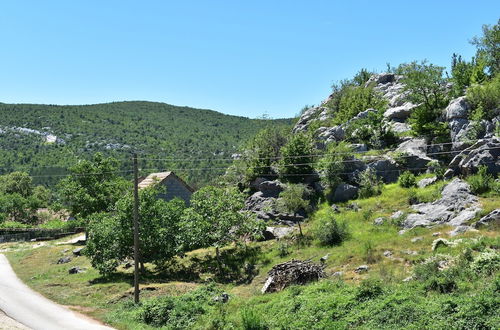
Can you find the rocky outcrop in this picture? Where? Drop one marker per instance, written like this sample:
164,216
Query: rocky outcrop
271,188
400,113
330,134
345,192
484,152
491,219
455,207
426,182
415,154
277,232
387,169
458,109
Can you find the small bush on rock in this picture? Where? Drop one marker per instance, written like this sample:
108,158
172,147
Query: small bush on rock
481,182
369,184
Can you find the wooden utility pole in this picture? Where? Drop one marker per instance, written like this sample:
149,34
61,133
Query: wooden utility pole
136,232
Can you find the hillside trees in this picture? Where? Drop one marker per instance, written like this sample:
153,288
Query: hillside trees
297,158
488,45
110,234
215,219
94,186
19,200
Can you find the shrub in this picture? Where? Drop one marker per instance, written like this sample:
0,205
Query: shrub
486,262
283,249
407,180
369,253
297,158
435,167
369,184
485,98
333,164
373,130
369,289
252,321
481,182
331,232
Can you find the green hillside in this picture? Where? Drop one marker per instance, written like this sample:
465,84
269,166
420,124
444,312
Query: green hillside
154,130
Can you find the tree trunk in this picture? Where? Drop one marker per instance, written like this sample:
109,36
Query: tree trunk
219,263
300,227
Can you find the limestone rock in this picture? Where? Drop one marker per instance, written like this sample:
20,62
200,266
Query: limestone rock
277,232
401,112
271,188
458,108
492,218
426,182
483,152
387,169
415,154
362,269
345,192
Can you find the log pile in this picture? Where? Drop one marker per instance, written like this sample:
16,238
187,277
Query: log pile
292,272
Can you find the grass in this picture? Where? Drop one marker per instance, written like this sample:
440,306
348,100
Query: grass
328,301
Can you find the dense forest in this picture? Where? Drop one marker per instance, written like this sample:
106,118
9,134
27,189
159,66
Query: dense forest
45,140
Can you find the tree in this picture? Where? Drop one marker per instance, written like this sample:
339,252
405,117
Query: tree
16,182
215,218
111,240
332,165
425,84
93,186
488,45
297,158
293,199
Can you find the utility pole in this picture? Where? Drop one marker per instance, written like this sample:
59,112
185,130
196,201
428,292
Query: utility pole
136,231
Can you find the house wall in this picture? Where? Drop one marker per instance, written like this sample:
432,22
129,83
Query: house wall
175,189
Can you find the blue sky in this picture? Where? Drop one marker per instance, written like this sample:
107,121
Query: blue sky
238,57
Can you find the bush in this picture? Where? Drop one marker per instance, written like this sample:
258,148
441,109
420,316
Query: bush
369,289
485,99
407,180
373,130
369,184
486,262
331,232
369,253
297,158
481,182
252,321
333,164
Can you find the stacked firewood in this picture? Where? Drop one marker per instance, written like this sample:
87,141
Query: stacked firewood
292,272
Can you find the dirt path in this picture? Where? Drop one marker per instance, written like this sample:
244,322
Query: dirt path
33,310
6,323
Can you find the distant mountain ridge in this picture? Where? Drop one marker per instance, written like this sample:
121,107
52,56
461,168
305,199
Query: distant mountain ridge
45,139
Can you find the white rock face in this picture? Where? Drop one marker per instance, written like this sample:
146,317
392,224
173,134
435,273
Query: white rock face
458,108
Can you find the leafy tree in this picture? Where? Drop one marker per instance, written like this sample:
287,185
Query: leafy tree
407,180
489,45
425,84
369,184
373,131
93,186
215,218
485,98
293,199
331,232
334,163
262,152
110,235
297,158
16,183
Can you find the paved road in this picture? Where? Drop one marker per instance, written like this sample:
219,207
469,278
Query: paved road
35,311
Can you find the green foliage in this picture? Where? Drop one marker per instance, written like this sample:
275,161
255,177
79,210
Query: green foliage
489,46
293,199
297,158
329,232
369,289
487,262
110,235
424,122
407,179
251,320
481,182
369,184
464,74
333,164
178,312
261,153
154,130
348,100
215,218
425,84
485,98
436,168
93,186
373,130
19,200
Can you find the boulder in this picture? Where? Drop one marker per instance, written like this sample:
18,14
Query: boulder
387,254
455,207
271,188
483,152
387,169
77,252
277,232
381,79
359,147
414,151
345,192
335,208
263,207
460,230
331,134
458,109
397,215
352,169
398,127
362,269
306,118
456,127
426,182
379,221
75,270
416,239
64,260
401,112
256,182
492,218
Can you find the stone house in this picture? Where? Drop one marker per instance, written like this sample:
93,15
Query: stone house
176,187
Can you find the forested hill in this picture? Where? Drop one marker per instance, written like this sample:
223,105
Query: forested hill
45,139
